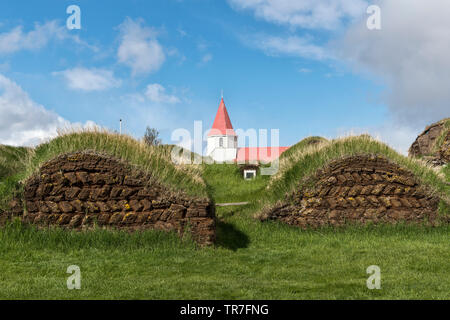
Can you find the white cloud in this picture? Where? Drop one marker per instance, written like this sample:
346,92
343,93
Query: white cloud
16,39
24,122
313,14
410,54
139,49
156,93
89,79
294,46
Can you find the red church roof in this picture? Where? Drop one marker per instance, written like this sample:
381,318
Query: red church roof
222,123
263,154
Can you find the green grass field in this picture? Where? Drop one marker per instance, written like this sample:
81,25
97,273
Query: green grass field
251,260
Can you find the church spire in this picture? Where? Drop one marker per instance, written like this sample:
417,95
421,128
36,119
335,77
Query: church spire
222,123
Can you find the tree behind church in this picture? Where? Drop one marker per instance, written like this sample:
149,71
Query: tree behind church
151,137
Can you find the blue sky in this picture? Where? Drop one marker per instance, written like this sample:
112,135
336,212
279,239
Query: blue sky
303,67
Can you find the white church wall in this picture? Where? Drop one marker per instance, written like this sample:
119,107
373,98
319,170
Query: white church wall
224,154
222,151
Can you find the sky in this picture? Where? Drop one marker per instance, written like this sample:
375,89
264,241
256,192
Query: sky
304,67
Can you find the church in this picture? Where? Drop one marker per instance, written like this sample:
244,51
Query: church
222,145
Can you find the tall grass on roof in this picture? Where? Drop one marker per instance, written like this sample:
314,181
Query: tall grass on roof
301,145
12,160
304,162
155,160
440,139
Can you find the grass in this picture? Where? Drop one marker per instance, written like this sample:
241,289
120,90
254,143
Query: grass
304,162
251,260
301,145
440,139
446,172
156,161
13,162
226,184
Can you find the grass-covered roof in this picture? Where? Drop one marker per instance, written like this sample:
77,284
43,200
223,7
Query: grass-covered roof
20,163
304,162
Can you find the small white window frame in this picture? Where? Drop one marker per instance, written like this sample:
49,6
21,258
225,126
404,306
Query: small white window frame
253,171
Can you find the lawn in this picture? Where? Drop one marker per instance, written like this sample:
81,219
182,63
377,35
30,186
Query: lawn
12,163
251,260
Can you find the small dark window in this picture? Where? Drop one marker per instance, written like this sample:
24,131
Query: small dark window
249,174
220,142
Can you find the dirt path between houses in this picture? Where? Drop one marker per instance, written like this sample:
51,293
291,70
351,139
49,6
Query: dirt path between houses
231,204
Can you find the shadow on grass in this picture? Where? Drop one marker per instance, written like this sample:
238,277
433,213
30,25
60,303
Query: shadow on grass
229,237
